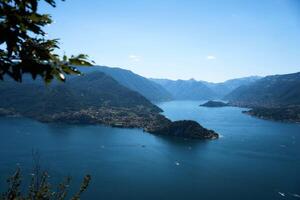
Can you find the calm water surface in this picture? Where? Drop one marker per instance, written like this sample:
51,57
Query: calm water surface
253,159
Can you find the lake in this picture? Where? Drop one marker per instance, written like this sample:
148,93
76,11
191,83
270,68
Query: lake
253,159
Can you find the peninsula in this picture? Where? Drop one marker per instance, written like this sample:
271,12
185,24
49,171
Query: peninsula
214,104
94,98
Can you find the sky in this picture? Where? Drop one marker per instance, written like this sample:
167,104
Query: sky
211,40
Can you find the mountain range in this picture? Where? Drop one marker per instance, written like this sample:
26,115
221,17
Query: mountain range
274,97
186,89
149,89
157,90
202,90
119,97
270,91
224,88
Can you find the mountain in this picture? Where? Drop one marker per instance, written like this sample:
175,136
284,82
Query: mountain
273,97
149,89
271,91
94,98
224,88
285,114
202,90
95,90
186,89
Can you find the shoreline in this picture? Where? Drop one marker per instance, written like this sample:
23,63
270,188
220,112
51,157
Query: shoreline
150,122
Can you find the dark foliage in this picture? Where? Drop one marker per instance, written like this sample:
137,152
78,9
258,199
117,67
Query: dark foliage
214,104
24,48
187,129
40,187
286,114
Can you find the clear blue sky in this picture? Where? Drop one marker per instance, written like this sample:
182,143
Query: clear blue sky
211,40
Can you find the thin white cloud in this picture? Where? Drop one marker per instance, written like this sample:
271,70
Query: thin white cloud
211,57
134,58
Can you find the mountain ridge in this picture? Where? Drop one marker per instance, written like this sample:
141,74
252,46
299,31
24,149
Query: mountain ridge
183,90
149,89
275,97
270,91
202,90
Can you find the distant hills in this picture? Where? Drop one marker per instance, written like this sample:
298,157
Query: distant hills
149,89
157,90
202,90
224,88
274,97
186,89
271,91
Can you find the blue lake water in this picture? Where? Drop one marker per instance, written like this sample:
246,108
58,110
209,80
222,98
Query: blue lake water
253,159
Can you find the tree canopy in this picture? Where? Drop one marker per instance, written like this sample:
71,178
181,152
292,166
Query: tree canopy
24,47
39,186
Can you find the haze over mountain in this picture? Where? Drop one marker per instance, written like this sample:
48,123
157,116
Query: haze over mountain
271,91
186,89
224,88
149,89
202,90
157,90
273,97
